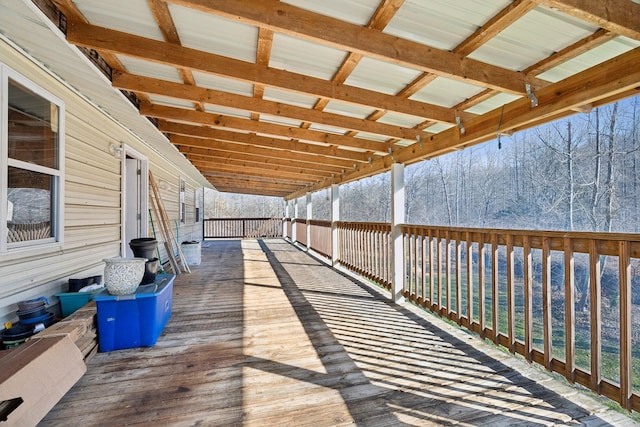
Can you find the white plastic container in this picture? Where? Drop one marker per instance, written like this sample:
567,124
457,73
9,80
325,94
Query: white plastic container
192,253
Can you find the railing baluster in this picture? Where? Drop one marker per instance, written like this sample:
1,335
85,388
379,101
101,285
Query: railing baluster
447,276
546,301
431,270
481,285
569,310
511,306
528,298
596,315
495,280
458,278
626,370
470,291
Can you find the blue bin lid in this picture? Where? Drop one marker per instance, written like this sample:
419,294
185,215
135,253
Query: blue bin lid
143,291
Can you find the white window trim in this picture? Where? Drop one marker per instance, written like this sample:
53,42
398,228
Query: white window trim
182,201
57,226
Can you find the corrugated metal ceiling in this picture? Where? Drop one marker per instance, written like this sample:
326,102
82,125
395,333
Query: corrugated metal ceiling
353,82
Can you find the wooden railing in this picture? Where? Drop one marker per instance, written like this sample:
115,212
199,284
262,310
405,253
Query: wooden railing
365,248
288,228
563,300
242,228
301,231
320,237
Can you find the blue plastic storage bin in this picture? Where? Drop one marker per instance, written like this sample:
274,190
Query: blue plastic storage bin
135,320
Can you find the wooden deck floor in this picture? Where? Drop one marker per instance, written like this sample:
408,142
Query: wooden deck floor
264,335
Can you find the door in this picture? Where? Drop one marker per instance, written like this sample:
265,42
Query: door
135,194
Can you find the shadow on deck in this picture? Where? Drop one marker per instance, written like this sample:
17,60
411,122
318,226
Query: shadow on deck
263,334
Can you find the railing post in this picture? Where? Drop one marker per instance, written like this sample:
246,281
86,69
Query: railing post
284,222
397,218
335,217
294,231
309,204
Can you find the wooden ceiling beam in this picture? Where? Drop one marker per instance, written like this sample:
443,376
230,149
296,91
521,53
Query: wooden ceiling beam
213,144
227,122
143,48
163,18
270,165
617,16
255,180
298,22
250,183
610,80
263,141
250,190
255,171
239,155
150,85
507,16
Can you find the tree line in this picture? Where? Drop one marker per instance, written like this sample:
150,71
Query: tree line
580,173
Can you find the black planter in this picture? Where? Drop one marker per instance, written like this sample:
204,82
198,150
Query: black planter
144,247
150,271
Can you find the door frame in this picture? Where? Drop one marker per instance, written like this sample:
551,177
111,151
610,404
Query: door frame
143,199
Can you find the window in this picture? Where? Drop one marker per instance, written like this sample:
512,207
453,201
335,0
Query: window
197,196
183,202
31,163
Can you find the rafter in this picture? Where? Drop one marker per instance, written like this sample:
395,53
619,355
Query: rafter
163,17
297,22
227,122
617,16
609,80
256,171
178,56
223,155
186,142
264,165
261,141
141,84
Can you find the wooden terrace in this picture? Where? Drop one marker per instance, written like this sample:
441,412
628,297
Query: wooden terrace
264,334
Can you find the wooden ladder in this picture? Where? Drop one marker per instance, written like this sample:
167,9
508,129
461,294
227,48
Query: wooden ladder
165,230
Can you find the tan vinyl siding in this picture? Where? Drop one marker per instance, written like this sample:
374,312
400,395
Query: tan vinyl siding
92,199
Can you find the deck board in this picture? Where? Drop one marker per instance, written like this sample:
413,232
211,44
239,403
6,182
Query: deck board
262,334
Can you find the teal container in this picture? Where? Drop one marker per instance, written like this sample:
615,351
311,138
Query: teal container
72,301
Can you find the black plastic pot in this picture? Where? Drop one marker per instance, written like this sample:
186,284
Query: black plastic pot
12,337
144,247
150,271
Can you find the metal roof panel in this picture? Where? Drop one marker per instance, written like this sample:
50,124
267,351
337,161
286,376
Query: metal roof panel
224,84
446,92
604,52
535,36
355,11
442,24
138,20
381,76
213,34
305,57
289,98
350,110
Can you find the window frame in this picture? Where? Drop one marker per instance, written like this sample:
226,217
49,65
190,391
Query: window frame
182,201
57,175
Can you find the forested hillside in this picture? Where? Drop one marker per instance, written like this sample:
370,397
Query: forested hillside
579,173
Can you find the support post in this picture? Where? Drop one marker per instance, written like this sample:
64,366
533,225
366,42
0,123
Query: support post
309,203
294,231
397,218
286,216
335,217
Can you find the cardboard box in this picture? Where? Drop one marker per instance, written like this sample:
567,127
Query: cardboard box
39,372
134,320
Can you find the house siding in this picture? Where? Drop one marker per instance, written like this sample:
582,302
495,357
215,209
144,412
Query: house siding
92,198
